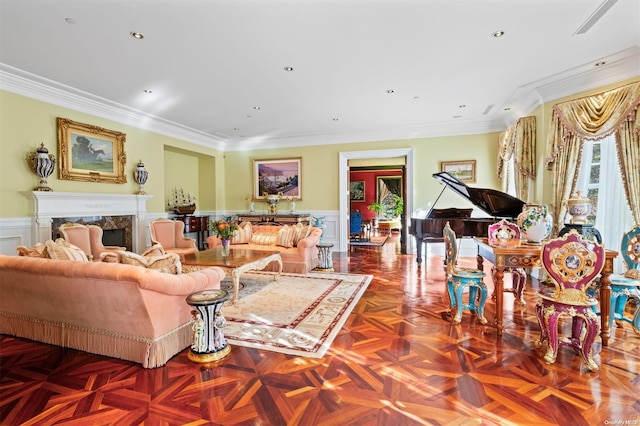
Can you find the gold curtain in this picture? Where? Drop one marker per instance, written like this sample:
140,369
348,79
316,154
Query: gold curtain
518,142
593,118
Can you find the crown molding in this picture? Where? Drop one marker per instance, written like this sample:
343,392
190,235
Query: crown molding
620,66
32,86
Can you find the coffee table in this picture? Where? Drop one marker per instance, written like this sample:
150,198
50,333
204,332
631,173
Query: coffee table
236,263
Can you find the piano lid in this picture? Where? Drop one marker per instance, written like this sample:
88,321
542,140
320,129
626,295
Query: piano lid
494,203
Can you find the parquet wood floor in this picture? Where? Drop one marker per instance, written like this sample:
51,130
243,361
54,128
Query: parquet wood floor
395,362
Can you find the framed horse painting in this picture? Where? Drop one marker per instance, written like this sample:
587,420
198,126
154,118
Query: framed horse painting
90,153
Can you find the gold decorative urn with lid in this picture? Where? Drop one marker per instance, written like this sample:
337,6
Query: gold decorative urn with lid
579,208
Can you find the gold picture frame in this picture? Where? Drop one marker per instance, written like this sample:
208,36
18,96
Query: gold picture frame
465,170
276,176
90,153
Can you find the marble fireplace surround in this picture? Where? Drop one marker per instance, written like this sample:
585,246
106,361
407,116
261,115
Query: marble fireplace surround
125,210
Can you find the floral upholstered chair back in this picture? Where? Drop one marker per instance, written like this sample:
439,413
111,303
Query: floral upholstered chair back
503,230
630,250
572,263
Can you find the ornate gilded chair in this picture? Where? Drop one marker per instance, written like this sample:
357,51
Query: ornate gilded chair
625,287
170,235
461,279
572,264
88,238
505,233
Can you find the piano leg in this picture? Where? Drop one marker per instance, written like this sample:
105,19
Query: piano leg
419,243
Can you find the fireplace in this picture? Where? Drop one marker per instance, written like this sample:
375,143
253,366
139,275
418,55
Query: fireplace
124,214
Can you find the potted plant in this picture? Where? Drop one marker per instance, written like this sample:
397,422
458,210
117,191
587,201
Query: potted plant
398,205
375,207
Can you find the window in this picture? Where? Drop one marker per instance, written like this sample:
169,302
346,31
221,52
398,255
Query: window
600,180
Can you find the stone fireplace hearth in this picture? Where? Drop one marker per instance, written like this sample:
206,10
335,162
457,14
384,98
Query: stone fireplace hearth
110,211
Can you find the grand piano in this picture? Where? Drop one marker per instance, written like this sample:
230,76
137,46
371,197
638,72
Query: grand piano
498,205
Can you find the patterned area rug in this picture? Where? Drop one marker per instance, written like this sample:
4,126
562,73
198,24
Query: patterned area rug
373,242
297,314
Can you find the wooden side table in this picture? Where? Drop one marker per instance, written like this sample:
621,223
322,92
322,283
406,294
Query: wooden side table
209,344
326,262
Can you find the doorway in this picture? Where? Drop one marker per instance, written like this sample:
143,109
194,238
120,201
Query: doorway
407,153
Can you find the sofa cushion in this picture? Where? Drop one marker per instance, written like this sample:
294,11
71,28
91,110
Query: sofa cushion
61,249
153,251
243,234
286,234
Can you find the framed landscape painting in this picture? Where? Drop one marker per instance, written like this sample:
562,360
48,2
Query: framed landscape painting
356,190
463,170
281,176
90,153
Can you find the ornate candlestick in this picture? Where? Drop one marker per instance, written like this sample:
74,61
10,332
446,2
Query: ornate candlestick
140,175
42,163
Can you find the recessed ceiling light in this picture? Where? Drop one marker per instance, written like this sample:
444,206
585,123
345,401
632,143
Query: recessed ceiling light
70,20
462,106
256,108
288,69
457,116
599,64
507,109
497,34
390,91
147,91
416,97
136,35
236,129
336,119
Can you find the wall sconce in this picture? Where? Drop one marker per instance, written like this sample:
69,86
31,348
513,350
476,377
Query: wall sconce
42,163
140,175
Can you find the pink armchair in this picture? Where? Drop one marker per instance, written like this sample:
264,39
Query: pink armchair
170,235
88,238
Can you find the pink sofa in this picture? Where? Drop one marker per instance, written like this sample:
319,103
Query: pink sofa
122,311
299,259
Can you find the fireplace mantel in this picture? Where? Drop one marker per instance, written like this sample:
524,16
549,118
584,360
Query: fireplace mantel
46,206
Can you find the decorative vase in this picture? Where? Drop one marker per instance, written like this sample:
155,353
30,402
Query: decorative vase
226,242
140,175
535,222
42,163
579,208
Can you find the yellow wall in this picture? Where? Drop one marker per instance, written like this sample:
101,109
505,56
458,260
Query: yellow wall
223,181
25,123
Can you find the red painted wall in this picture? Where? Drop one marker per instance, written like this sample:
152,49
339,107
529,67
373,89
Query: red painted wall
370,180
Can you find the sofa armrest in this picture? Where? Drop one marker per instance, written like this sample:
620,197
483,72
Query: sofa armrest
310,241
186,242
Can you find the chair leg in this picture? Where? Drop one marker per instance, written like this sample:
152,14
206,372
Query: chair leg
591,325
458,291
481,302
519,281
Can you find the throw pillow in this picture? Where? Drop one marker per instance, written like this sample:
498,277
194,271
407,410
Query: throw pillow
153,251
168,262
264,239
302,232
243,234
286,235
61,249
36,251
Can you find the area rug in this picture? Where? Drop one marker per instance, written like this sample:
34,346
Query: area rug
296,314
373,242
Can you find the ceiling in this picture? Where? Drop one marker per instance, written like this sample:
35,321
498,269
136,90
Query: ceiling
363,70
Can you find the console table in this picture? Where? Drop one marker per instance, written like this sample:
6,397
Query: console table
198,225
288,218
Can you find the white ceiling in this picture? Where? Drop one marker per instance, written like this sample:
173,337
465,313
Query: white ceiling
209,63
